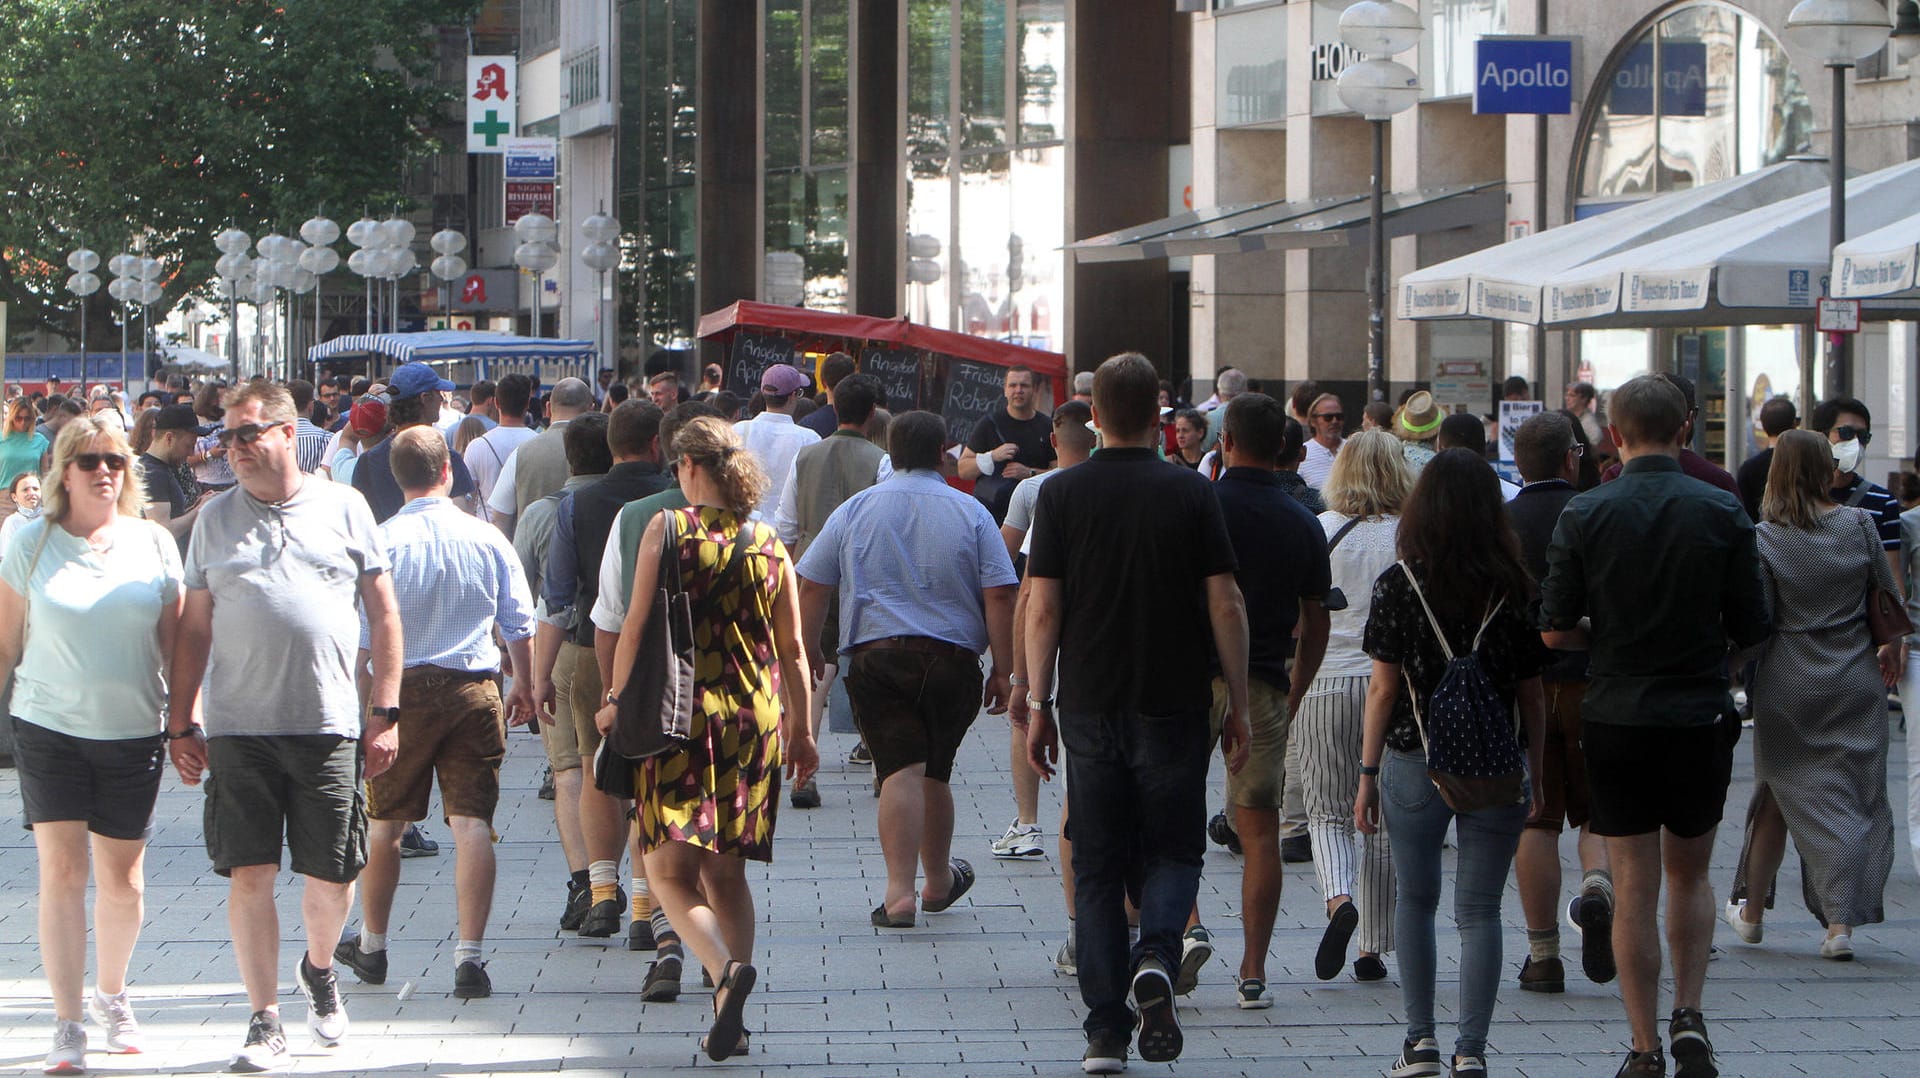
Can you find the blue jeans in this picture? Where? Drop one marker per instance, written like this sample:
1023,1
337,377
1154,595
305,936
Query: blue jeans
1417,819
1137,811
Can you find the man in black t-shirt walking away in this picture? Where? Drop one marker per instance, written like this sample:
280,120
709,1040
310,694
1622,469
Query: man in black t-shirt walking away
1134,693
1009,445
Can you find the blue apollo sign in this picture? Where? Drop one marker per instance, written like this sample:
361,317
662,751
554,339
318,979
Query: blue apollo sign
1529,75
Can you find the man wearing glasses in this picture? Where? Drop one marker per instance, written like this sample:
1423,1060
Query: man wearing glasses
1328,428
276,572
1845,420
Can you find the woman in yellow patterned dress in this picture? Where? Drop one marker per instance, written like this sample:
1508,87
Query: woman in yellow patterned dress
708,808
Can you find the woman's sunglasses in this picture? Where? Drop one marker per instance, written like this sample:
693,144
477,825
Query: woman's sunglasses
89,462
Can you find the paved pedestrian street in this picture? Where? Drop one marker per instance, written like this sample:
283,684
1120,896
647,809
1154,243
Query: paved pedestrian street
971,992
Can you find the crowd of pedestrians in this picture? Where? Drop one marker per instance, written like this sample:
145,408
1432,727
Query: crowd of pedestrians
319,604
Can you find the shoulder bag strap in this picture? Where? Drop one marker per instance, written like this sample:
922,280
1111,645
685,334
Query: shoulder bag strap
1859,494
670,553
1342,534
1487,621
1445,648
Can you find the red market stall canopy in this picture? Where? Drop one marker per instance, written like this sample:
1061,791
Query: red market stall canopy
918,367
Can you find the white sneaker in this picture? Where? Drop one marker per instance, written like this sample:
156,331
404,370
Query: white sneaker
1837,948
266,1047
115,1015
1021,840
1064,962
69,1054
1748,931
326,1011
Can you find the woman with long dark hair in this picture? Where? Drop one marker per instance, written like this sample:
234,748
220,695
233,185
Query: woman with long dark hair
1460,575
1819,706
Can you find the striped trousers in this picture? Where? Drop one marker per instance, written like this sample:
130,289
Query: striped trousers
1326,735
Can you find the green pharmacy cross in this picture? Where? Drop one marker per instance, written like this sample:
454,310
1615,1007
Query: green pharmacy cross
492,128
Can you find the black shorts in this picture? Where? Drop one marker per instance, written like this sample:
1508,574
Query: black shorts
303,786
913,707
1641,779
110,785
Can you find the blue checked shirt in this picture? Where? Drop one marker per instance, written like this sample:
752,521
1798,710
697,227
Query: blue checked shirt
911,557
454,578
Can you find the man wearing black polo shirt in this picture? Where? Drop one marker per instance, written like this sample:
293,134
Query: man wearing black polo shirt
1134,698
1284,577
1009,444
1665,568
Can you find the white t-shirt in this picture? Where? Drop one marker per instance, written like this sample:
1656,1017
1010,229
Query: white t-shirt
92,666
1363,554
1318,465
487,456
774,439
1020,508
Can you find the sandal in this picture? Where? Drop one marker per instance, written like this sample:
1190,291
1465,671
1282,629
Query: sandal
729,1000
882,919
738,1049
962,883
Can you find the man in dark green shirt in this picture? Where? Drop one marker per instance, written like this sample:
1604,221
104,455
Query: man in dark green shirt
1664,570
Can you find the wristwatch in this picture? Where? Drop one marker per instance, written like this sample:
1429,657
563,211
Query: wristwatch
1045,702
183,734
1365,770
612,697
391,714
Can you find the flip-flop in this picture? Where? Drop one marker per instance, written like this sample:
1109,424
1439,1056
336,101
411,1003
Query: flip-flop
962,883
740,1049
729,1000
883,919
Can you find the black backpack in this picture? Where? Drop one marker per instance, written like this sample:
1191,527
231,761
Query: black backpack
1471,736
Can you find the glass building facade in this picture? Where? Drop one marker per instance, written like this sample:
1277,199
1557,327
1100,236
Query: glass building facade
656,172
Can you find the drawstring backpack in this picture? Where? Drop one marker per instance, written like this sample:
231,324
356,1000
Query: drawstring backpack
1471,737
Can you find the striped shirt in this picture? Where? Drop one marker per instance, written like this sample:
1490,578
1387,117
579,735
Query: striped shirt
454,578
309,445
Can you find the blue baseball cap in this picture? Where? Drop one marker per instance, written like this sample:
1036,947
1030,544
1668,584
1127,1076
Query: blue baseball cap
412,379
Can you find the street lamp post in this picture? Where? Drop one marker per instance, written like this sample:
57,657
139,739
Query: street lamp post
536,254
447,265
83,283
602,253
319,259
233,267
1377,88
1838,33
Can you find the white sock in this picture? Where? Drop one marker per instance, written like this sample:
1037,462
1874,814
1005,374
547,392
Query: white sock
603,873
466,951
372,942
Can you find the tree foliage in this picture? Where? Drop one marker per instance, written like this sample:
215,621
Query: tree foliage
168,119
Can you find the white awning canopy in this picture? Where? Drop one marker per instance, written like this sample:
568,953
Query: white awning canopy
1508,281
1767,264
1879,263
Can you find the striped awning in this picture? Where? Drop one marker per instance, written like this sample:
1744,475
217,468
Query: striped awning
450,346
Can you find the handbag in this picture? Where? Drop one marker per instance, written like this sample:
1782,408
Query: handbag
1887,619
654,710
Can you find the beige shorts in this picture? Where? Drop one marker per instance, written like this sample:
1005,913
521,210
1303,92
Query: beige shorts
1260,784
563,748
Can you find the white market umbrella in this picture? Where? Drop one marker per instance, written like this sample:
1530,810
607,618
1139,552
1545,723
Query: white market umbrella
189,358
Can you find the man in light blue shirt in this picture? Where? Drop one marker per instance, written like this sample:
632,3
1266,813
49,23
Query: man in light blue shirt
455,580
925,586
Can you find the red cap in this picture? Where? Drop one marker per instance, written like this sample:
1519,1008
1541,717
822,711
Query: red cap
369,414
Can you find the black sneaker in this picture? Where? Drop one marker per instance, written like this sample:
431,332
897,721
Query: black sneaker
579,897
326,1011
1418,1059
1106,1053
546,785
1297,850
1469,1067
860,755
805,795
369,966
1160,1039
415,843
1221,831
1692,1052
603,918
470,980
1596,935
1547,975
1648,1064
640,935
266,1047
662,983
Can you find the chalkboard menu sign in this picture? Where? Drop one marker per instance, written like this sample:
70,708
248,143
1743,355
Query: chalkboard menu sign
898,373
974,390
752,355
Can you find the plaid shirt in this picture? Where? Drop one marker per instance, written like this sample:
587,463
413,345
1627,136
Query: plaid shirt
310,445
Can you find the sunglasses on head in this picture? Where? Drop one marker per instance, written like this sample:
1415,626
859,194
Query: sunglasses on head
88,462
246,435
1851,433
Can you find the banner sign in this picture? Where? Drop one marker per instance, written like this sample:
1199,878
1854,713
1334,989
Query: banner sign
493,99
1524,75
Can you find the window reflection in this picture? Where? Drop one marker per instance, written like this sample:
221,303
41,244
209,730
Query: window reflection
655,197
828,58
1250,67
1705,94
983,74
1453,28
929,241
1042,59
782,86
929,77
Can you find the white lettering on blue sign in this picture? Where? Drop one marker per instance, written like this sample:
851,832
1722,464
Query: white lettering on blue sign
1523,76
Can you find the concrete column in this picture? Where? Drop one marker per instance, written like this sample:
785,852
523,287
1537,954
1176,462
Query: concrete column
875,237
727,106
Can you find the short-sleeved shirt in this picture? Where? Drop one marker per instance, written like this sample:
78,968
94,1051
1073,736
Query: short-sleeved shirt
162,486
1398,632
487,456
910,557
1132,539
1283,559
1876,500
92,666
1667,569
1318,464
20,453
1020,509
285,581
1033,435
455,578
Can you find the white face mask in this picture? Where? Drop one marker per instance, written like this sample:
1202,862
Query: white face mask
29,514
1846,455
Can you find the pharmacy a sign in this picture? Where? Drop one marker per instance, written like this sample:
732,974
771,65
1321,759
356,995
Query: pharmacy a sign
493,99
1523,75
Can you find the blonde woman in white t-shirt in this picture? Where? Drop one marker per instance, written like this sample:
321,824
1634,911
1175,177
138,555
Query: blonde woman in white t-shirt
1369,482
89,599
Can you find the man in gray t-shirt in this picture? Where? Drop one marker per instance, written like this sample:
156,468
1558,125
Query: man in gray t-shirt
275,573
